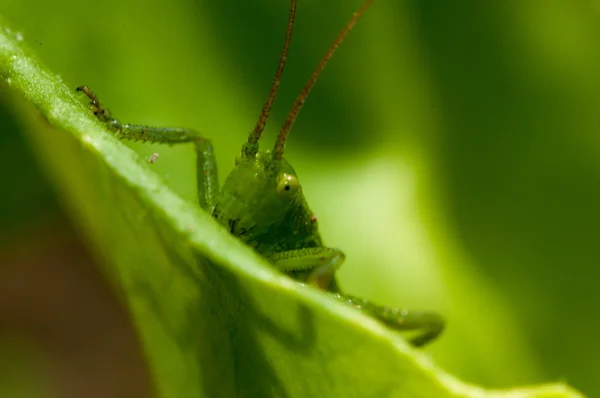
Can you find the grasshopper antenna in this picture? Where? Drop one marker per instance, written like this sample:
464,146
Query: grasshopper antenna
291,117
252,147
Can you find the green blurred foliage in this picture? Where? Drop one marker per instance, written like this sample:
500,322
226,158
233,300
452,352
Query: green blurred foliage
449,149
26,198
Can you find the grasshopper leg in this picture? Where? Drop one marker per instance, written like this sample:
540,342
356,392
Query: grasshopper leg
317,267
207,179
429,324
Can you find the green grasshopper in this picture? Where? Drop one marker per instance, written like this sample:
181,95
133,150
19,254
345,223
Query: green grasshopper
262,202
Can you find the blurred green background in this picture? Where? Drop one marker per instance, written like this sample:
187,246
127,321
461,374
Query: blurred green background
451,150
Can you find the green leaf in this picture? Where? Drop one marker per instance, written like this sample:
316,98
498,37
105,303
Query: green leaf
213,317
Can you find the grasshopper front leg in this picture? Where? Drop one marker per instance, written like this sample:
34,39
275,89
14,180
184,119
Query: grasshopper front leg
207,178
316,266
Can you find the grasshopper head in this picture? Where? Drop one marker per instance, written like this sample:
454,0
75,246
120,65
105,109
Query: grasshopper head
259,195
261,199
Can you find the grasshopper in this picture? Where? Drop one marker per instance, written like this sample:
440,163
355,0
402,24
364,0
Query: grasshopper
262,202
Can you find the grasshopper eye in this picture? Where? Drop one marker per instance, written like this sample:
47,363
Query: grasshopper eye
287,185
